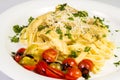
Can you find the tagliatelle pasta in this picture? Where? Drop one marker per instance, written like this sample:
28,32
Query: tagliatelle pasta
70,30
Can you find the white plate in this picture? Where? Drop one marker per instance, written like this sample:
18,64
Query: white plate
19,15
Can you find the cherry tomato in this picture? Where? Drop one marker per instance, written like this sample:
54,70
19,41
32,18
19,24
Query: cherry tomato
29,67
49,55
68,63
86,63
73,74
55,73
19,54
41,67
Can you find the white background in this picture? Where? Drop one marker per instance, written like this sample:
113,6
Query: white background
6,4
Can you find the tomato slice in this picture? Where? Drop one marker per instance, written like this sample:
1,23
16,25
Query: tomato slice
86,63
29,67
49,55
68,63
73,74
19,54
41,68
55,73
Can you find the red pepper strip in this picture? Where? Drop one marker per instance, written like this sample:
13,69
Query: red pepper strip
29,67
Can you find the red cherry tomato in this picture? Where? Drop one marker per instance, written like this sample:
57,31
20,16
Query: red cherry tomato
68,63
21,50
49,55
73,74
29,67
55,73
19,54
41,67
86,63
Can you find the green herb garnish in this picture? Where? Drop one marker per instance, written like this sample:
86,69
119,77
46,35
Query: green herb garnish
59,31
80,14
117,30
17,28
104,35
100,22
48,31
115,55
41,27
62,7
109,31
14,39
117,63
30,19
73,54
68,27
71,18
87,49
68,34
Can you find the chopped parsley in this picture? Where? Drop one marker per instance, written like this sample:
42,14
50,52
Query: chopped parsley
68,27
48,31
87,49
17,28
83,20
71,18
73,54
117,30
117,63
41,27
62,7
104,35
109,31
99,19
14,39
68,34
59,31
115,55
80,14
100,22
30,19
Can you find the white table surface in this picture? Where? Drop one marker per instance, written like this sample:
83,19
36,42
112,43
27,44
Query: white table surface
6,4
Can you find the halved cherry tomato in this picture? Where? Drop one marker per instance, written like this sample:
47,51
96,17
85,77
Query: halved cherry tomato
49,55
55,73
86,63
41,67
73,74
68,63
19,54
29,67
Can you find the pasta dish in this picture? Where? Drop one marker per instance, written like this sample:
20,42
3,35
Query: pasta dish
66,33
